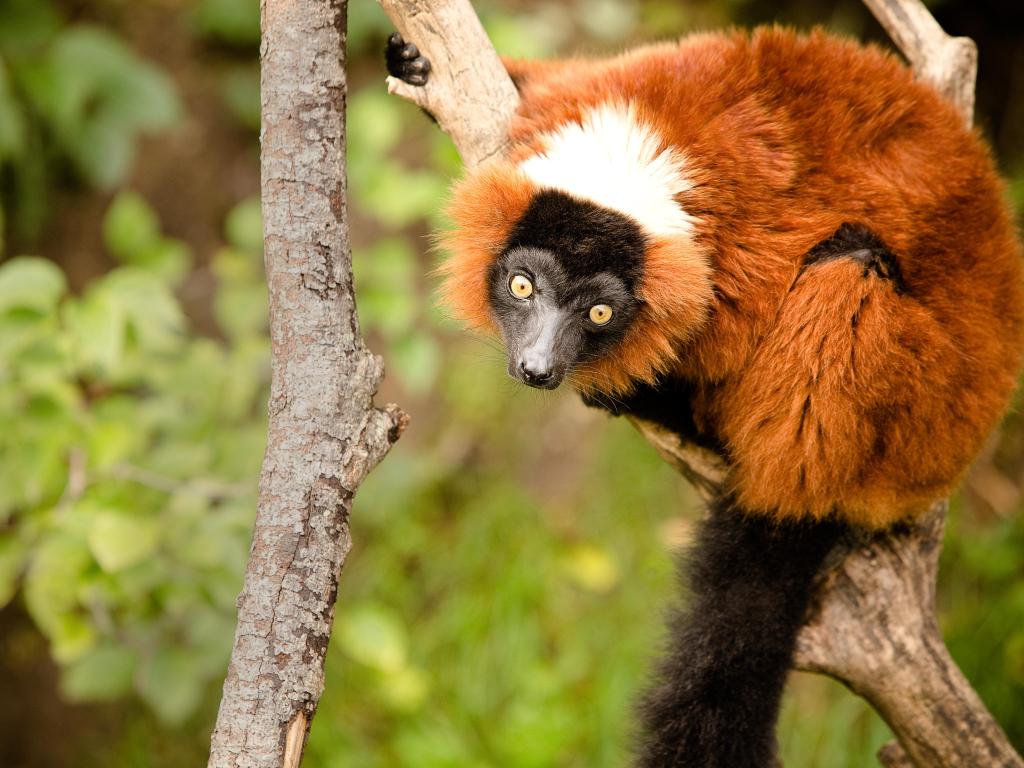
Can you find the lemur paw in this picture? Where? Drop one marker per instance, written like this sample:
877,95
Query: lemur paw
404,61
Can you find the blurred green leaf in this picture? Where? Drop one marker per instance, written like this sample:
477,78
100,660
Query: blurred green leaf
168,683
241,301
130,226
533,36
240,88
374,122
417,360
373,635
102,674
119,538
397,196
113,440
26,24
244,230
368,26
71,637
100,66
236,22
152,312
102,149
131,232
56,570
13,140
96,327
30,283
406,689
608,20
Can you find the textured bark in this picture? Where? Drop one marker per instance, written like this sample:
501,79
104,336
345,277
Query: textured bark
873,626
325,435
875,629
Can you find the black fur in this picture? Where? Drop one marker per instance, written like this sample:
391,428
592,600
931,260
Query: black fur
855,241
731,649
584,237
666,403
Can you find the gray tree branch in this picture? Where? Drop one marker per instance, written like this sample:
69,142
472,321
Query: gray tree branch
325,434
449,29
873,626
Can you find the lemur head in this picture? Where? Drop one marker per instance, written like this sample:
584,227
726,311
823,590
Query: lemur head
576,249
564,289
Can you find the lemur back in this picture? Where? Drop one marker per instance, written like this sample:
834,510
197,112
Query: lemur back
858,385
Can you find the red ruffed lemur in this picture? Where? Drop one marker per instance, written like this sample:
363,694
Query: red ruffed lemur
779,245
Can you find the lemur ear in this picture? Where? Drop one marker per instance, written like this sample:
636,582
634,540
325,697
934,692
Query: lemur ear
484,206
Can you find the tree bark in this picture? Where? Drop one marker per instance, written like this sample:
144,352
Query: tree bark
325,434
873,625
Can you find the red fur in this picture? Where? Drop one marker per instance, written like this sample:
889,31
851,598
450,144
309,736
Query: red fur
787,137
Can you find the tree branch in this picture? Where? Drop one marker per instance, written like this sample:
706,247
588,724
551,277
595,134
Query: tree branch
873,626
466,71
325,435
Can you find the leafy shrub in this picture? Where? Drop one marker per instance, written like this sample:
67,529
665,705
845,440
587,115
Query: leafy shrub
70,95
128,455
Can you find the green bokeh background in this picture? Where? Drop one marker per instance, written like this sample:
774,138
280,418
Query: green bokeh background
512,556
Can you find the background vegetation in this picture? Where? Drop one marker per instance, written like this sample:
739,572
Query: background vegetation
512,555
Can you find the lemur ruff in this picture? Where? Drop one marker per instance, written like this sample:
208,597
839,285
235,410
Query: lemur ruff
782,246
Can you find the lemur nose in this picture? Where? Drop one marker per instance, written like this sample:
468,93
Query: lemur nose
535,375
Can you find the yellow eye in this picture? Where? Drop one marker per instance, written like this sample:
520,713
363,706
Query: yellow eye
520,287
600,314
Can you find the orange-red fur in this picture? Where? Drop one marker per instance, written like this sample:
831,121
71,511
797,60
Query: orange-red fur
830,391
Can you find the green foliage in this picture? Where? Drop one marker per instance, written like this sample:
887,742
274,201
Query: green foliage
233,22
131,232
983,616
95,96
128,455
70,95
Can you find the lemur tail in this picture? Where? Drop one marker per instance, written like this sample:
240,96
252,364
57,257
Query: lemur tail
729,652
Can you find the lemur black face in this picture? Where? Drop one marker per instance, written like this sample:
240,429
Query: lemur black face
563,291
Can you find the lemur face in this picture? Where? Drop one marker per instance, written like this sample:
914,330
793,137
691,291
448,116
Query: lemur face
552,321
562,291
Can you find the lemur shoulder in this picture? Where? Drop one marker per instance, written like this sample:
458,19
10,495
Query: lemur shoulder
784,244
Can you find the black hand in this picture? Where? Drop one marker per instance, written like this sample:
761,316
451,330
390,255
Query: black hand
404,61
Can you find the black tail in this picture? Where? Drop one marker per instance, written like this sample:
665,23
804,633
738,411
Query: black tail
730,651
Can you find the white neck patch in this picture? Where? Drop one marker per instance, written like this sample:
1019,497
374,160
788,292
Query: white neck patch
612,159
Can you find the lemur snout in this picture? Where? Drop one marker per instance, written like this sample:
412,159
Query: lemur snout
537,373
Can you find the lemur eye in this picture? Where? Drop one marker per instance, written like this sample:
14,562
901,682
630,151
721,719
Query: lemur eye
520,287
600,314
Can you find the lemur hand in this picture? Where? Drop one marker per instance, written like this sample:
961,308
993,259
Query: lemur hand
404,61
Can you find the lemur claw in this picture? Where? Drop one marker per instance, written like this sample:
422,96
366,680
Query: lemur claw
405,62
